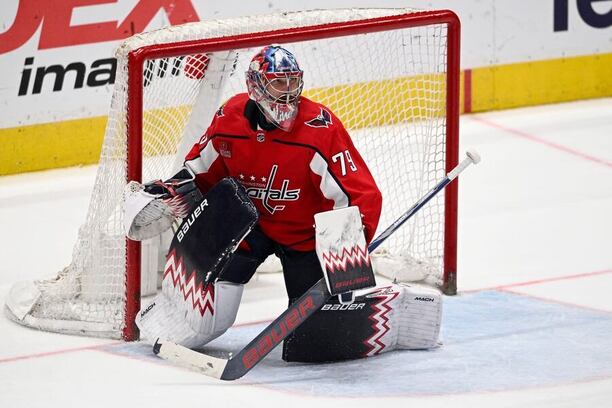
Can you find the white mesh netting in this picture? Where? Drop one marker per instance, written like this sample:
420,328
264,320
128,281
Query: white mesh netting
387,87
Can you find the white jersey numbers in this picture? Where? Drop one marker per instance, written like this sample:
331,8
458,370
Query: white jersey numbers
341,157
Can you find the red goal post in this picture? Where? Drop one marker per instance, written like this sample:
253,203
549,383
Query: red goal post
427,103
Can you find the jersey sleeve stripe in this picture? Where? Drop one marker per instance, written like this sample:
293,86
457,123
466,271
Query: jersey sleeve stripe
202,163
329,186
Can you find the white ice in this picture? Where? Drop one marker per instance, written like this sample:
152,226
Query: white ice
532,326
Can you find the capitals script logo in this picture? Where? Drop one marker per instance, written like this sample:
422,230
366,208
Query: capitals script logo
269,194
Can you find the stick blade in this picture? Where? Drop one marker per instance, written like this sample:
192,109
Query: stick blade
184,357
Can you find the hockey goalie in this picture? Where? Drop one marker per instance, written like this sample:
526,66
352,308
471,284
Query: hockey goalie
271,166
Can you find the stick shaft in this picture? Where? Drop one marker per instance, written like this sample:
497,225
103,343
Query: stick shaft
419,204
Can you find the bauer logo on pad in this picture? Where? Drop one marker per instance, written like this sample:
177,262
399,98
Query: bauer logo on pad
342,250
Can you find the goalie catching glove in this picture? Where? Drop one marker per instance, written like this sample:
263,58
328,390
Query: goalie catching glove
150,209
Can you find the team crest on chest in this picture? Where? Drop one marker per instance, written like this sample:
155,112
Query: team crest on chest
266,192
323,120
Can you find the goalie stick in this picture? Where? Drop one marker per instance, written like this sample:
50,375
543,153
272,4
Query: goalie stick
238,365
472,157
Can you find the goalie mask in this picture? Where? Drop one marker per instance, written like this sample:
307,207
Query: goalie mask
274,81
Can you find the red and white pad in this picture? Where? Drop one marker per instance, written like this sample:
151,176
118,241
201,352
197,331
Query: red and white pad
188,313
392,317
415,317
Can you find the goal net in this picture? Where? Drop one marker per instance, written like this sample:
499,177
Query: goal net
390,75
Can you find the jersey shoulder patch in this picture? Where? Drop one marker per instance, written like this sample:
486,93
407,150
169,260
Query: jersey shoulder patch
322,120
220,112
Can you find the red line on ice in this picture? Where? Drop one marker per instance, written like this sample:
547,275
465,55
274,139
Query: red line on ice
545,280
99,347
543,141
55,352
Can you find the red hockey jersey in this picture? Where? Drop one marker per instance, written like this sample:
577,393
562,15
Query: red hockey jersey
289,176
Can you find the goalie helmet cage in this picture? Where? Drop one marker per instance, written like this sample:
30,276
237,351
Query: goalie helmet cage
390,75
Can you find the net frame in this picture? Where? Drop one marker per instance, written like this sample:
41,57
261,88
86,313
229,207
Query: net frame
127,117
136,61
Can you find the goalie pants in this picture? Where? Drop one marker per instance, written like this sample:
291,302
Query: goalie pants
301,269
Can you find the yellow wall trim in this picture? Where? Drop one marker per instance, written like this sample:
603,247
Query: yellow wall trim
75,142
51,145
541,82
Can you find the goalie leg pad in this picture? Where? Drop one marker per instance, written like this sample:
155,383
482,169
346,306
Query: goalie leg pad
381,320
420,318
193,320
191,309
